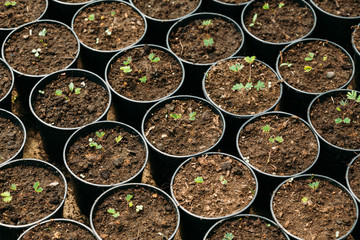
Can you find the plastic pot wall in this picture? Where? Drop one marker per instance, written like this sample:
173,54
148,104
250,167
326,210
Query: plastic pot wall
356,82
5,102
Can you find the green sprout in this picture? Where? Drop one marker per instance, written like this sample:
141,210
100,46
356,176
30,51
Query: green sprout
228,236
153,58
71,88
343,103
278,139
252,190
6,196
41,92
58,92
199,180
260,85
238,86
192,116
43,32
307,68
94,144
314,185
126,69
236,67
208,42
353,96
253,20
36,52
175,116
281,4
13,187
113,13
118,138
248,86
324,58
223,180
143,79
266,6
345,120
10,3
99,134
113,212
37,187
139,208
206,22
286,64
250,60
127,61
304,199
128,198
91,17
310,57
266,128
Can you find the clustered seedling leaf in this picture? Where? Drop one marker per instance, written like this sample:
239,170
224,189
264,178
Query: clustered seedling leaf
343,103
223,180
10,3
238,86
153,58
95,144
143,79
13,187
259,86
113,212
304,199
250,59
43,32
345,120
37,187
199,180
6,196
76,90
325,58
353,96
253,20
206,22
208,42
307,68
266,6
281,4
126,69
91,17
228,236
175,116
236,67
118,138
314,185
192,116
100,134
278,139
139,208
266,128
286,64
128,200
113,12
36,52
41,92
58,92
127,61
310,56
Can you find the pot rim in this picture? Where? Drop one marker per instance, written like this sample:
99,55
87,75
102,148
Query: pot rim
231,4
279,113
356,50
356,158
213,218
73,4
6,65
317,176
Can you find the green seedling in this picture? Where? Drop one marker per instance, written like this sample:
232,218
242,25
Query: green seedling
113,212
192,116
139,208
278,139
345,120
76,90
266,128
281,4
223,180
175,116
286,64
13,187
307,68
37,187
91,17
95,144
353,96
310,56
268,225
43,32
199,180
208,42
206,22
304,200
314,185
259,86
228,236
58,92
113,13
126,69
252,190
118,138
127,61
10,3
153,58
6,196
266,6
36,52
41,92
343,103
248,86
325,58
143,79
236,67
253,20
238,86
128,198
99,134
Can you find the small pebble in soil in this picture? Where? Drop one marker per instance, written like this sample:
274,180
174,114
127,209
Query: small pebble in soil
330,75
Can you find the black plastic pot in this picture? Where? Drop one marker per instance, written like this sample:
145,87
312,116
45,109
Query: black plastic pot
162,164
158,28
12,232
40,227
239,218
25,82
295,100
54,145
17,122
123,105
356,231
86,192
156,190
195,71
265,50
95,60
356,81
268,182
234,121
343,188
333,160
193,226
232,10
5,102
327,22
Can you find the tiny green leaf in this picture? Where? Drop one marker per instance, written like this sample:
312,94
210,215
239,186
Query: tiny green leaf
192,116
286,64
41,91
10,3
128,197
91,17
266,6
175,116
199,180
208,42
77,90
94,144
248,86
71,87
347,120
343,103
223,180
58,92
304,199
100,134
307,68
206,22
281,5
113,13
153,58
314,185
271,139
253,20
324,58
352,95
43,32
113,212
118,138
228,236
260,85
13,187
238,86
139,208
127,61
143,79
236,67
6,196
266,128
250,59
338,120
279,139
126,69
37,187
310,56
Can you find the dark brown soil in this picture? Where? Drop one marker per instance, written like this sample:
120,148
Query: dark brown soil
5,80
70,110
310,213
228,186
183,136
323,114
23,12
331,68
11,137
343,8
162,77
356,37
188,42
166,10
247,227
115,25
220,81
354,177
157,220
58,49
295,154
59,230
113,162
279,25
27,205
